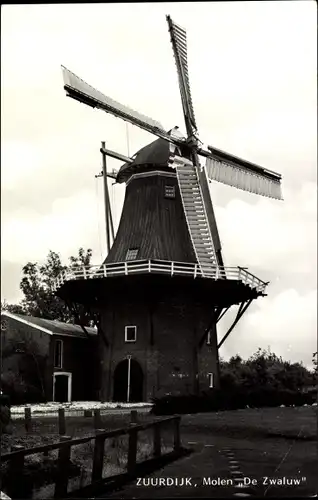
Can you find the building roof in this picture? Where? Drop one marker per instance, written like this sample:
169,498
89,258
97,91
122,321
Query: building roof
51,327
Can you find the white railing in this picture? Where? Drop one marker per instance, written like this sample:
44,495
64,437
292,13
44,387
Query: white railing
160,267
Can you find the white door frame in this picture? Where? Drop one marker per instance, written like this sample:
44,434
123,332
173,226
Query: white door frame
69,384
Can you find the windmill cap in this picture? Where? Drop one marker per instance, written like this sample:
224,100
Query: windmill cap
155,155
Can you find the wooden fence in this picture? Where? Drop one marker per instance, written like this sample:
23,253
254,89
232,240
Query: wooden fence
18,453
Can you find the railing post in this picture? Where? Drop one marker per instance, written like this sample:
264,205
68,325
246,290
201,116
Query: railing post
63,466
195,270
149,266
126,268
84,272
97,419
132,450
16,480
27,419
239,273
133,417
98,459
62,423
157,440
172,268
105,270
176,434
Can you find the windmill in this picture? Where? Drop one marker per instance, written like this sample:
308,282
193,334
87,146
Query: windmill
171,249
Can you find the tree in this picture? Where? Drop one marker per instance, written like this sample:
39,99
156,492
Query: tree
264,370
315,363
37,287
12,308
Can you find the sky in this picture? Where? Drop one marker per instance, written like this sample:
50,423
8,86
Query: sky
253,74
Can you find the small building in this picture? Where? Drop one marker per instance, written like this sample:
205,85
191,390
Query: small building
56,358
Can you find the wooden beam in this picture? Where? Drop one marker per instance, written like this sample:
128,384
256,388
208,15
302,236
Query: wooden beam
115,155
240,313
106,199
214,319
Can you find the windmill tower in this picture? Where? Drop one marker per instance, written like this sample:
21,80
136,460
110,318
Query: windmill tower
163,286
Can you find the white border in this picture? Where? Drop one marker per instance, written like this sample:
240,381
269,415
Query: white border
130,326
55,343
150,174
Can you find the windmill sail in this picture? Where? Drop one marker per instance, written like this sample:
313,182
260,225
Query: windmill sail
81,91
228,169
179,43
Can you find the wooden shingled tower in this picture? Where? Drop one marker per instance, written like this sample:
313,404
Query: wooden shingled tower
163,286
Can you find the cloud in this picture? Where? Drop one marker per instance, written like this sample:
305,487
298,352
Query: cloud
272,235
287,323
69,225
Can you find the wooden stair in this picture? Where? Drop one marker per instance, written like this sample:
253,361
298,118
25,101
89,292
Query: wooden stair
196,217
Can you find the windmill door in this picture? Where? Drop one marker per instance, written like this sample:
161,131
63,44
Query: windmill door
128,382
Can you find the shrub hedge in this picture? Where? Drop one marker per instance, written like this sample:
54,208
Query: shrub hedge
216,400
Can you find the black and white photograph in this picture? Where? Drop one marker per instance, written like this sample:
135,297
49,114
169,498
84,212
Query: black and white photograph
159,250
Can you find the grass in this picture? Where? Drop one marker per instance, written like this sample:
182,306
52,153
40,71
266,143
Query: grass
286,422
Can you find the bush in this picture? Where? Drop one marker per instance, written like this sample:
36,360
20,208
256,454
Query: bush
229,400
18,391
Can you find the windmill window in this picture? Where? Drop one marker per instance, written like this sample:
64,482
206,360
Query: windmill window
170,191
132,254
130,333
58,354
210,378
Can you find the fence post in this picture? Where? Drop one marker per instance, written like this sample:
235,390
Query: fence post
61,482
157,440
15,473
97,420
132,450
98,459
176,434
133,417
62,424
27,419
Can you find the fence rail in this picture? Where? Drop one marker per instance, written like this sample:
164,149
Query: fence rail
160,267
17,456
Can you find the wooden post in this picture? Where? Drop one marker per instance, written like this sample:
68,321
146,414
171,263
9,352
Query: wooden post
15,473
176,434
62,423
106,200
132,450
97,420
133,417
157,440
27,419
98,460
62,469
